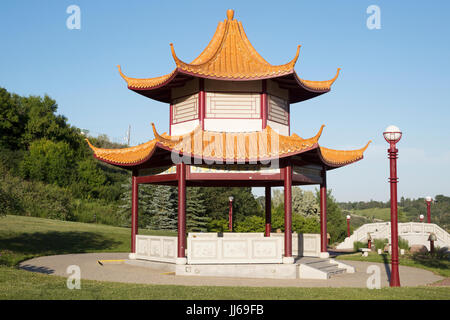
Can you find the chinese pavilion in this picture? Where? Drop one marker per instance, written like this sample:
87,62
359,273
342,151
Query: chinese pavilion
230,126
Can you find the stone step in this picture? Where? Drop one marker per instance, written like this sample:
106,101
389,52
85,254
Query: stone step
324,267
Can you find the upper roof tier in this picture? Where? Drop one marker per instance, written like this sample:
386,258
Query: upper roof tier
230,56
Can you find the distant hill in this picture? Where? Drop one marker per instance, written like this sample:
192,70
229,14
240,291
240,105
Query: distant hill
408,210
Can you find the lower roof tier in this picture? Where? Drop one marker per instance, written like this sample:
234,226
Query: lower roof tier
210,147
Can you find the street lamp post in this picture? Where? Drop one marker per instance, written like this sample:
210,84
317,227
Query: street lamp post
392,135
428,201
421,217
348,225
432,238
230,214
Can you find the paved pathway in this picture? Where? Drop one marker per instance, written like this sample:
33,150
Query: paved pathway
121,272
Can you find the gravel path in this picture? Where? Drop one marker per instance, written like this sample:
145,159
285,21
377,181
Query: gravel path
121,272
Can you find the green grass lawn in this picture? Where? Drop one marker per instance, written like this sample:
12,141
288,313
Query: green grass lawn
23,238
26,237
438,266
379,213
20,284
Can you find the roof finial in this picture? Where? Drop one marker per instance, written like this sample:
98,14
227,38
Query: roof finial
230,14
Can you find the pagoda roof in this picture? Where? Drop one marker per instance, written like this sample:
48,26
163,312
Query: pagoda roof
230,56
230,146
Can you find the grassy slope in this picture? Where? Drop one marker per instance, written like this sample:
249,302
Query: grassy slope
440,267
25,237
19,284
22,238
379,213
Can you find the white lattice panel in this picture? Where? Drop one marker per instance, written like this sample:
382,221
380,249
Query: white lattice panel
278,110
185,109
233,105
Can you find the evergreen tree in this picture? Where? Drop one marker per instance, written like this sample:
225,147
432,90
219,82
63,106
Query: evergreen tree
145,213
164,208
196,219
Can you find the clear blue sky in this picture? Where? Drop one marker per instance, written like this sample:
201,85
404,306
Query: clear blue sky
399,74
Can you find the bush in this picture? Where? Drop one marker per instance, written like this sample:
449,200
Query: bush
218,225
380,243
358,245
403,243
250,224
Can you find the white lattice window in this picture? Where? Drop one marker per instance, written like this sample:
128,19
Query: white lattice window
233,105
185,109
278,110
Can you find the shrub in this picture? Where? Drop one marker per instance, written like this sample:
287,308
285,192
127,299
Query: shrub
403,243
380,243
218,225
358,245
250,224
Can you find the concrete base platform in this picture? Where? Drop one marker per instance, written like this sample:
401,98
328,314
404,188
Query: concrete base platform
301,268
267,271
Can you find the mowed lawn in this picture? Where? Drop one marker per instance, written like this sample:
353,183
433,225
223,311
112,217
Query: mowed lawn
22,238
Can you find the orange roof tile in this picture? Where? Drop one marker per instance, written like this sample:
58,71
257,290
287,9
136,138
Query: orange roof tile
229,56
226,146
342,157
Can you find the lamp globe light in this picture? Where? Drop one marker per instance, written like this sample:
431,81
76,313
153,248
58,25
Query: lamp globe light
392,134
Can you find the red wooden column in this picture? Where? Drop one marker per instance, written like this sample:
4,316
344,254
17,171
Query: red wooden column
202,103
181,174
323,215
268,211
134,210
264,104
288,214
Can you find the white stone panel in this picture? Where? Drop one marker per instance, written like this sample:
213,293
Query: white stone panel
156,248
278,127
183,127
233,125
232,250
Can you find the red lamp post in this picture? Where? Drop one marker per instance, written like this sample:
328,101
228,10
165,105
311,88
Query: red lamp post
428,200
393,135
348,225
432,238
230,214
421,217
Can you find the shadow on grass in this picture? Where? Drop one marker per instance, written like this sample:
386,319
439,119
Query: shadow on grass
437,260
55,242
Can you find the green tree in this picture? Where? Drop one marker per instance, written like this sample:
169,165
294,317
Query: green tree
48,161
44,123
196,219
145,213
164,208
217,203
12,120
336,221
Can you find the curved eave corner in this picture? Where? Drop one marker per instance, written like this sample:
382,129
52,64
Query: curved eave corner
339,158
125,157
148,83
317,86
